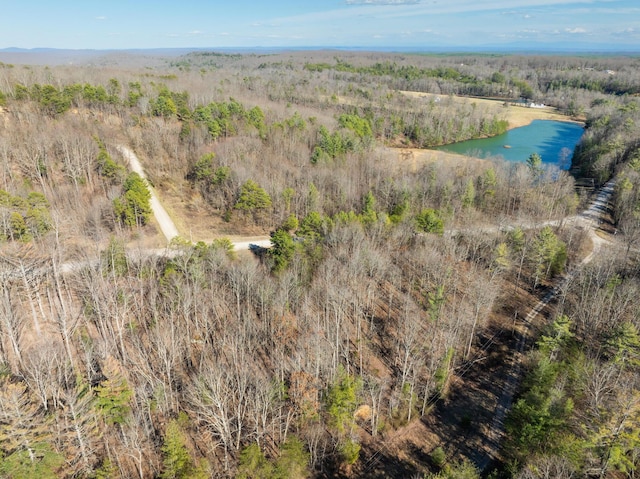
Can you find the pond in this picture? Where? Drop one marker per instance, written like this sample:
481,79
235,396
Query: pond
553,140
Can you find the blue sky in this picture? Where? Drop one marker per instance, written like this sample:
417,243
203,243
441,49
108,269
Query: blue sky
122,24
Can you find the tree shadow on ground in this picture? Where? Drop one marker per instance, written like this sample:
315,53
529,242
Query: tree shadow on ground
383,465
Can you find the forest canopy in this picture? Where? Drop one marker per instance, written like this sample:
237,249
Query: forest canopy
378,333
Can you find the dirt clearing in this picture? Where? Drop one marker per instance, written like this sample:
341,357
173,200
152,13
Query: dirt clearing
517,116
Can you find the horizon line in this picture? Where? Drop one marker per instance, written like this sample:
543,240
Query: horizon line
507,48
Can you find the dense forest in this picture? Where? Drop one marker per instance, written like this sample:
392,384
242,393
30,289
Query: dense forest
378,333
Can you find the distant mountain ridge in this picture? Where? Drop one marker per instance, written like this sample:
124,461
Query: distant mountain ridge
515,47
59,56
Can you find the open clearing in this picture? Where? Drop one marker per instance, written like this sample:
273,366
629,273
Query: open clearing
517,116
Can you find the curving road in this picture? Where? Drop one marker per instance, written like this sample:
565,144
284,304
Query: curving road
588,217
591,219
167,226
16,272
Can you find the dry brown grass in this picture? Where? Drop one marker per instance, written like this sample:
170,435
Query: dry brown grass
195,219
414,159
4,116
516,115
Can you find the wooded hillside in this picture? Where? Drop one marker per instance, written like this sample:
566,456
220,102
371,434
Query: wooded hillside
394,288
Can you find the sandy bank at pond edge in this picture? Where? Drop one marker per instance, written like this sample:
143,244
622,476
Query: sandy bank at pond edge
516,116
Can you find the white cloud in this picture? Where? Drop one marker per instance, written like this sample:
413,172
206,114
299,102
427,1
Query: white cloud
629,34
195,32
101,17
467,21
412,9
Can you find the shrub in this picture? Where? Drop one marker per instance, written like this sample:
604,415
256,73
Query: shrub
429,221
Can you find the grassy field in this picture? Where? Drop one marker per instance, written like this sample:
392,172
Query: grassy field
516,115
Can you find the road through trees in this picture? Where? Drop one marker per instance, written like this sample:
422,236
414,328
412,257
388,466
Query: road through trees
389,295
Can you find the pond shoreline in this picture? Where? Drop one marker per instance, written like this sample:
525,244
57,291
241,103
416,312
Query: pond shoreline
555,141
516,116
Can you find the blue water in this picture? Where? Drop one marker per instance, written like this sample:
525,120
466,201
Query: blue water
553,140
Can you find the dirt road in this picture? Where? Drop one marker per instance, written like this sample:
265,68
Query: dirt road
165,222
591,219
167,226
